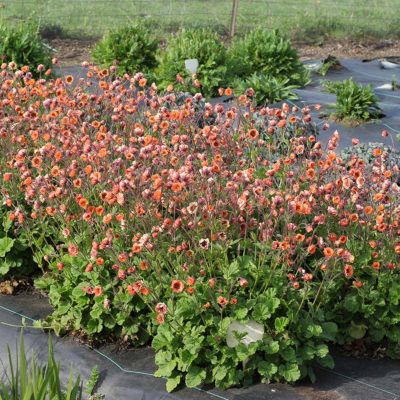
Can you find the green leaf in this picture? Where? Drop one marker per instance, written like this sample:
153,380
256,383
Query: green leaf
241,313
219,372
232,270
290,372
322,350
163,338
281,323
329,330
327,361
195,376
166,364
172,383
271,347
357,331
6,245
4,267
267,369
7,224
313,330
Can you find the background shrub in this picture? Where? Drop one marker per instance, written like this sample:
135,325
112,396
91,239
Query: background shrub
132,47
354,102
268,53
23,45
201,44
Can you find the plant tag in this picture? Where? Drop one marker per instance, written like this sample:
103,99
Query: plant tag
192,65
254,332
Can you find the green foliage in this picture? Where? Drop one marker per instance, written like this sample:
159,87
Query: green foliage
268,53
93,380
354,102
370,312
268,89
23,45
202,45
132,48
192,346
32,381
15,252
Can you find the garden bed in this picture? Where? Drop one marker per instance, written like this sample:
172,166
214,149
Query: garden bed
139,208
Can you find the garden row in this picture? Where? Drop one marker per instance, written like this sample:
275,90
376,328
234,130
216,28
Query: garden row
263,59
227,238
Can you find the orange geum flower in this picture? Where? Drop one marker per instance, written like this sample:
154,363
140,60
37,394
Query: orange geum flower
176,187
69,79
329,252
177,286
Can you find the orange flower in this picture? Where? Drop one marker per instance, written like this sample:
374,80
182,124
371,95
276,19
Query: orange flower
143,265
55,171
69,79
376,265
312,249
329,252
176,187
253,134
222,301
136,248
83,202
228,92
177,286
98,290
37,162
348,271
368,210
377,152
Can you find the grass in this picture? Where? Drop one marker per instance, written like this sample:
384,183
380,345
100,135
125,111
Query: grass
304,20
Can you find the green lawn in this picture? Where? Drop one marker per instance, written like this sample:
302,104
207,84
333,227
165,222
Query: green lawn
301,19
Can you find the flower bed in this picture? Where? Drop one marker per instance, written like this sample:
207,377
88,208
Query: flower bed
229,239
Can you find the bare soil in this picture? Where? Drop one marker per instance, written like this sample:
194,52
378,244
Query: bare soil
74,51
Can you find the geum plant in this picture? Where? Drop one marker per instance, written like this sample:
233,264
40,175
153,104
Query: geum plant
182,225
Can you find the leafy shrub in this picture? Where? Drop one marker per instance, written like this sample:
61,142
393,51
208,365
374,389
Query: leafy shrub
268,53
180,222
133,48
15,253
23,45
268,89
199,44
354,103
33,381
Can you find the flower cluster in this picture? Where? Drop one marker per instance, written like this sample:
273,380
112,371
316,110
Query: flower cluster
167,217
